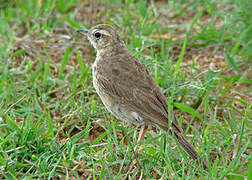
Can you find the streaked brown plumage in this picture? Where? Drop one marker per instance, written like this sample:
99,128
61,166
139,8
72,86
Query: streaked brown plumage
126,87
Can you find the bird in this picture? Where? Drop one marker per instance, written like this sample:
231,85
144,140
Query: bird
126,87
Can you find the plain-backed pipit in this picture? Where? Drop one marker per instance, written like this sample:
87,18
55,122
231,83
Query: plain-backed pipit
126,87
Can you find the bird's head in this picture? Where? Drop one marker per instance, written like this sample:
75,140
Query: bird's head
103,38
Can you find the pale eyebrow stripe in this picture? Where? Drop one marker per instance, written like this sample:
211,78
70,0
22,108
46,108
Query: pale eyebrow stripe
101,31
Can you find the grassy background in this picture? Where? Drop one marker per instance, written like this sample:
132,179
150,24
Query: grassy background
53,125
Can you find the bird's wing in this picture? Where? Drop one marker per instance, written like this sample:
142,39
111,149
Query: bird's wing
128,79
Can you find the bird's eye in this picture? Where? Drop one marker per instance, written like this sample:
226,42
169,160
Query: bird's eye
97,35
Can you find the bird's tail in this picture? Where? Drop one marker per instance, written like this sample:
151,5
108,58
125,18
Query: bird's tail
185,145
177,131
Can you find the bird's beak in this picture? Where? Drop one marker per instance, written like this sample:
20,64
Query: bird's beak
82,31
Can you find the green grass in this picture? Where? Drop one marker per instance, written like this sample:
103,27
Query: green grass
53,125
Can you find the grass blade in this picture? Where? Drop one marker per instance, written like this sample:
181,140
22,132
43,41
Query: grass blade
64,62
188,110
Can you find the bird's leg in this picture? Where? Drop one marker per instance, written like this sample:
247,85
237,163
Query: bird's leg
140,138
